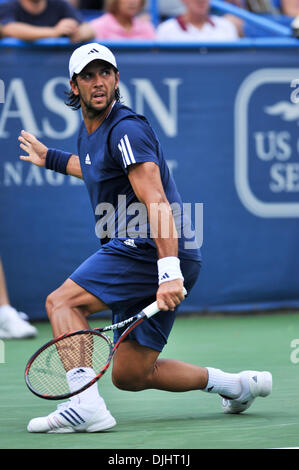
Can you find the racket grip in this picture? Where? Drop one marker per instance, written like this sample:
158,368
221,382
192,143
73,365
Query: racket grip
151,309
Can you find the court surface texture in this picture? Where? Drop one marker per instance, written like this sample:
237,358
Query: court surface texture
162,420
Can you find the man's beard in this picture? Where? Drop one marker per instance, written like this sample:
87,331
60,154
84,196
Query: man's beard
91,110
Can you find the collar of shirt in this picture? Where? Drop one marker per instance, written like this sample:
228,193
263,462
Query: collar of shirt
183,24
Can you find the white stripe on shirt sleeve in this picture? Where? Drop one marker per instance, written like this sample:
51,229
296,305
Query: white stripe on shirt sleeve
125,153
122,154
130,151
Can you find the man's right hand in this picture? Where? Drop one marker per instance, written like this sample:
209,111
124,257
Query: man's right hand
36,150
66,27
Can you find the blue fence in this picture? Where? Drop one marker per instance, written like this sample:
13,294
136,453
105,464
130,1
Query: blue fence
228,121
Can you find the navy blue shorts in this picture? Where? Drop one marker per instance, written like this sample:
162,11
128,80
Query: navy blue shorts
125,278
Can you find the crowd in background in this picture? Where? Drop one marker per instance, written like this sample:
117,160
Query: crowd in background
179,20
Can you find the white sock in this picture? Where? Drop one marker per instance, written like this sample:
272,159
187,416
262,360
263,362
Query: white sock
223,383
77,378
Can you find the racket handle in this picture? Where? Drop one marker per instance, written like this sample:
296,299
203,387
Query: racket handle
151,309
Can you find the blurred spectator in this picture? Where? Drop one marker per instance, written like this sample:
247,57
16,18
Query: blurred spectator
287,7
88,4
197,24
236,20
168,8
13,324
260,6
254,6
121,21
271,9
30,20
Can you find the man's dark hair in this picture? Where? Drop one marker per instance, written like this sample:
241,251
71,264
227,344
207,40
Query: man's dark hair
73,101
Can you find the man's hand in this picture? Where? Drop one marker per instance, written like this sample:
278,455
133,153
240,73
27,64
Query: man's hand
66,27
170,294
83,33
36,150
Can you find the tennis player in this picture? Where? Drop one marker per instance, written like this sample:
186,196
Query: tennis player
121,162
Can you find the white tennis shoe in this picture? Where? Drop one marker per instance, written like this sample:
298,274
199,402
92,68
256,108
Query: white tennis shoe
72,417
254,384
15,325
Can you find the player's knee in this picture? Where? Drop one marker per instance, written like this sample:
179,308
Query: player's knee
50,302
131,381
127,383
55,303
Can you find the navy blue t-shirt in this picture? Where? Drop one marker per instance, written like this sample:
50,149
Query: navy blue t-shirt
55,11
123,139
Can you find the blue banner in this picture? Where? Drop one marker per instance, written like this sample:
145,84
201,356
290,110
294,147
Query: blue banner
228,123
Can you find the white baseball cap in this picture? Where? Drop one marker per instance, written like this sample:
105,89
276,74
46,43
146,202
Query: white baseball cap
83,55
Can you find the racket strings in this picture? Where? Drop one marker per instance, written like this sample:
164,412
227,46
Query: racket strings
47,374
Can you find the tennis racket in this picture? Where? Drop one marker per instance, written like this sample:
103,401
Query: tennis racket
81,350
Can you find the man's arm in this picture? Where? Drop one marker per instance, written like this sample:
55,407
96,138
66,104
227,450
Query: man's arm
83,33
37,153
66,27
289,7
146,182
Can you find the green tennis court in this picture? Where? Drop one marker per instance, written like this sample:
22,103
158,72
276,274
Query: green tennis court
160,420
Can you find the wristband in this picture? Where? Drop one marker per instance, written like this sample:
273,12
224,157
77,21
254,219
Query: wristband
169,269
57,160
